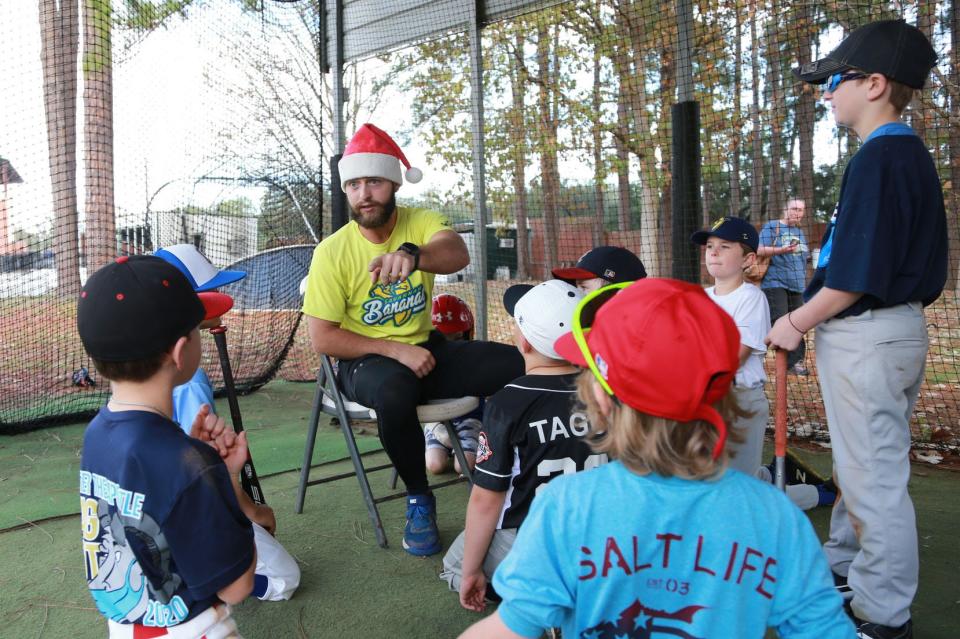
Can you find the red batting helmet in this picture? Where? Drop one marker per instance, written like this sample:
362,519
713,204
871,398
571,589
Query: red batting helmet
451,314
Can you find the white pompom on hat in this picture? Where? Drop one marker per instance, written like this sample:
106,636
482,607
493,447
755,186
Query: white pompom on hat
373,153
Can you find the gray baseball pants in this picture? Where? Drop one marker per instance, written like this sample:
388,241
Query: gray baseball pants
500,545
748,455
871,367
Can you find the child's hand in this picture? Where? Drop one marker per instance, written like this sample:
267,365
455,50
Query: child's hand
264,516
473,591
232,449
784,335
207,426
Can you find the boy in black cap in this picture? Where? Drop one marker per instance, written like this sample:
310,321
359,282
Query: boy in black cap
601,266
883,258
730,248
164,539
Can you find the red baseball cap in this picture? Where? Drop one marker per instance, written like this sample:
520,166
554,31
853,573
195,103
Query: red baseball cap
215,304
450,314
665,349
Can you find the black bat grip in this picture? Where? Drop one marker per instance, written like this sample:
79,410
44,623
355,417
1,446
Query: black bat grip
248,476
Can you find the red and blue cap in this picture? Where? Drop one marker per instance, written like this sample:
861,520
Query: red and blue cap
200,272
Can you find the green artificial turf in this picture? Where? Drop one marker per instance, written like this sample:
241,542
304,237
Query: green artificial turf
350,586
39,469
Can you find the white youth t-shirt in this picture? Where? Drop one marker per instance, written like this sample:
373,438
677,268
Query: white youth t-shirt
748,307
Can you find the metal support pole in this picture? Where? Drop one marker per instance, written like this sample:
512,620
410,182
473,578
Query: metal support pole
685,187
479,168
336,68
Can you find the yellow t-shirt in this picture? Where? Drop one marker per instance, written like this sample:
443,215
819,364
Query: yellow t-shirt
339,289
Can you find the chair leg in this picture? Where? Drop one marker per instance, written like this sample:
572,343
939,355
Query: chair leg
394,476
458,451
361,473
311,442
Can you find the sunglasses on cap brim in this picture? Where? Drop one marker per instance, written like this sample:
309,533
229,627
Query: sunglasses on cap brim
837,79
583,318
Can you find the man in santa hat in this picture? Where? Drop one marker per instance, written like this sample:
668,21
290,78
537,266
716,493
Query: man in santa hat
367,302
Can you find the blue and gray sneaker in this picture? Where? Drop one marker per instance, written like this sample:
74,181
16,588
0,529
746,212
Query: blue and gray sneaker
420,535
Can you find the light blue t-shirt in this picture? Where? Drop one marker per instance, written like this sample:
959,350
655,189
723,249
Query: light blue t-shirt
788,270
605,552
187,399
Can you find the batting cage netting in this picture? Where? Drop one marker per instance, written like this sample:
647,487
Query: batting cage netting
133,125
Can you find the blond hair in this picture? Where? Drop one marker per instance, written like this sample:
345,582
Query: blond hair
648,444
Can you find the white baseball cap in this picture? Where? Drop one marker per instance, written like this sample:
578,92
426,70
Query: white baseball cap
543,312
203,275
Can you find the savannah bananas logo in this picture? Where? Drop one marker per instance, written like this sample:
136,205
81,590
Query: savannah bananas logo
396,302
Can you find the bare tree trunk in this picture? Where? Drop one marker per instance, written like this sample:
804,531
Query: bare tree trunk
59,39
805,111
519,156
101,235
599,170
776,181
668,34
953,195
549,175
650,240
622,138
756,172
736,135
926,12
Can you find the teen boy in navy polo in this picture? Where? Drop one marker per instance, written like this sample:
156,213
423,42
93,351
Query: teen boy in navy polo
883,258
165,542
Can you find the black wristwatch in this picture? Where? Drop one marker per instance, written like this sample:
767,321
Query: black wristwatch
411,249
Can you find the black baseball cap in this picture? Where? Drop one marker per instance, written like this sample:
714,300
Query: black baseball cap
894,48
733,229
136,307
612,263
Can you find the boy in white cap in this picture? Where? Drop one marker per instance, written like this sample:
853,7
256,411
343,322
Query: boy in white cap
367,303
277,574
531,433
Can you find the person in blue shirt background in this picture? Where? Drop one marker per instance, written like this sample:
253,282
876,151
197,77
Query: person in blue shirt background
784,243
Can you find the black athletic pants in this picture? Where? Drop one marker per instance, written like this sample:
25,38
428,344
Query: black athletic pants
783,301
394,391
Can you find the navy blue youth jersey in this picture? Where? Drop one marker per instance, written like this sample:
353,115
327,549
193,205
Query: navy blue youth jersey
531,433
162,528
888,237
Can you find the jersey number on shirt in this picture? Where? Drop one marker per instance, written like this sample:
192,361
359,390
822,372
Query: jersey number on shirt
567,466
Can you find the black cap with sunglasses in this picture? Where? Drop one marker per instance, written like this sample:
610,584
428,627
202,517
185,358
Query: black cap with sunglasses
893,48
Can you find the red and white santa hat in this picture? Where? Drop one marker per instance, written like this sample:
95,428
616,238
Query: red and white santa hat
373,153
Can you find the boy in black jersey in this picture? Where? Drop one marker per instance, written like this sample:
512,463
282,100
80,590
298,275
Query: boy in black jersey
530,434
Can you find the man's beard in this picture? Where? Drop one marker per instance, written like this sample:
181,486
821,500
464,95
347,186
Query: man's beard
378,219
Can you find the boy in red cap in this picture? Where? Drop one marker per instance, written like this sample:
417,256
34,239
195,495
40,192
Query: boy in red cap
165,541
657,542
453,318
